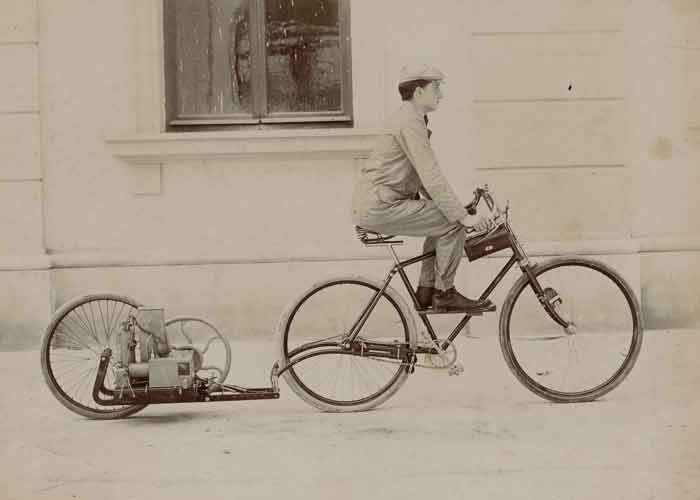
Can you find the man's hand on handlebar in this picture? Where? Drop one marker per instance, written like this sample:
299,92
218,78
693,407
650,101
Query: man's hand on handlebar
477,223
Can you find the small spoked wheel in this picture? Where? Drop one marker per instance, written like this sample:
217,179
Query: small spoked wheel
207,340
328,378
72,345
595,351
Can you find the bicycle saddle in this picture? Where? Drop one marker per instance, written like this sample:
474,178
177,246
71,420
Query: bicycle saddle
372,238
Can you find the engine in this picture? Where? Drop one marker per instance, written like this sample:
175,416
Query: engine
158,364
143,367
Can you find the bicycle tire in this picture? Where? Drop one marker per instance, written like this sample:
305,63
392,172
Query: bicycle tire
624,332
391,300
63,343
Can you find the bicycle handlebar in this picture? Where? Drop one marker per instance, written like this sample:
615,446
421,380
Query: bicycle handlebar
471,207
498,216
479,193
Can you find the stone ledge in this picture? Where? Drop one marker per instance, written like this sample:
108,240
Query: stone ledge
36,262
669,244
355,253
161,149
117,258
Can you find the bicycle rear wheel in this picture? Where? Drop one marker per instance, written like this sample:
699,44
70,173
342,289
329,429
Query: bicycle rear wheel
71,349
594,355
341,381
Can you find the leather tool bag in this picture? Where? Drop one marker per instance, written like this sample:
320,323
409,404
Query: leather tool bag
486,244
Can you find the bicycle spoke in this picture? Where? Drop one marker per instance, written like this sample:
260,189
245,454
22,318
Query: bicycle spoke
88,383
336,373
71,339
116,319
81,315
365,370
83,320
102,322
369,379
66,370
109,322
79,326
94,323
78,378
353,377
72,349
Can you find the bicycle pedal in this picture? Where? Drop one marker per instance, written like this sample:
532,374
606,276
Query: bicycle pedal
456,369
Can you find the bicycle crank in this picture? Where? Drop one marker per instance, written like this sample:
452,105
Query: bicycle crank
456,369
438,358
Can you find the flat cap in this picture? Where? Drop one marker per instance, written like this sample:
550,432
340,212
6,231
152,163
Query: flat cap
420,72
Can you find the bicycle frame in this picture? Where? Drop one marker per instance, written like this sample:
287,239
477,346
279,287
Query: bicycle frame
400,266
518,256
350,345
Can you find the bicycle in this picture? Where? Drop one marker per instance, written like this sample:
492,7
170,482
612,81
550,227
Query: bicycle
349,343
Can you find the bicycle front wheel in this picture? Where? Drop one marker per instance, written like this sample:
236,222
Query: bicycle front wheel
595,353
338,381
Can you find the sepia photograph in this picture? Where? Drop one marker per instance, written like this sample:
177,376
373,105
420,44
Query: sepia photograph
350,249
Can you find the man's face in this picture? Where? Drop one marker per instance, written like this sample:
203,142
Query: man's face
429,97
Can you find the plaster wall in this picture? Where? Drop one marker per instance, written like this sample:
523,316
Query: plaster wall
24,275
584,115
548,149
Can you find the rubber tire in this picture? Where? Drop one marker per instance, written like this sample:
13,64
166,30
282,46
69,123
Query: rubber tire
292,308
507,350
46,370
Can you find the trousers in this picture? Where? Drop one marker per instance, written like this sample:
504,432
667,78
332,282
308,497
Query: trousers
420,218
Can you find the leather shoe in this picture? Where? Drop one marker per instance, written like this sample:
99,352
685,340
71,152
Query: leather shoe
452,301
424,295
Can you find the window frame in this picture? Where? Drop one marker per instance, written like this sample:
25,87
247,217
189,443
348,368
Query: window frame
260,117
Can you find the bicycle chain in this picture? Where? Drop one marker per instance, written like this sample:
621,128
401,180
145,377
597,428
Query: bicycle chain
428,343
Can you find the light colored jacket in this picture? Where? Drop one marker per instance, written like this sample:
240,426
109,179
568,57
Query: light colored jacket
403,164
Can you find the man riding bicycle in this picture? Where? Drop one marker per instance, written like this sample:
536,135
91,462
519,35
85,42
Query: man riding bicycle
402,191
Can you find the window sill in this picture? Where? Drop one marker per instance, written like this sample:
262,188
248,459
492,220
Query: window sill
160,149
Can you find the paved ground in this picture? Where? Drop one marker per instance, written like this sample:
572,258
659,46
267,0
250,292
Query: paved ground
479,436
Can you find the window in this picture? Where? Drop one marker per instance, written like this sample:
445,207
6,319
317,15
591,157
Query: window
251,62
